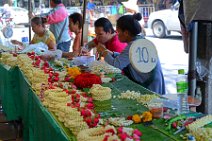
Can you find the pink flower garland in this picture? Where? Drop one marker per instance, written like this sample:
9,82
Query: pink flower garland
136,134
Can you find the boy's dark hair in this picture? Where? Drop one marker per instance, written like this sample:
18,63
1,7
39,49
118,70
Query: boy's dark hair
57,1
130,23
76,17
105,23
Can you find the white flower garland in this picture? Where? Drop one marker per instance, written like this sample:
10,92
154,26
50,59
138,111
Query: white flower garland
100,93
8,59
55,100
97,134
197,130
96,66
120,121
143,99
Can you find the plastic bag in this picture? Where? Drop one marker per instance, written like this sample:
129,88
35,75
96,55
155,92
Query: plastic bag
56,54
170,101
38,48
201,69
83,60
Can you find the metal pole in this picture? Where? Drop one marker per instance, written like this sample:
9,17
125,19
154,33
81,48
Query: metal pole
192,60
84,18
30,11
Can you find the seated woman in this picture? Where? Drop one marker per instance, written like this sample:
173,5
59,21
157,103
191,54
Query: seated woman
128,29
41,34
75,25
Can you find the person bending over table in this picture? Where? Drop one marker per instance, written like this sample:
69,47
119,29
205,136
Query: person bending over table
128,29
41,34
105,34
75,25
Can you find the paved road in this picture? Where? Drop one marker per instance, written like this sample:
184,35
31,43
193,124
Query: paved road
172,57
170,50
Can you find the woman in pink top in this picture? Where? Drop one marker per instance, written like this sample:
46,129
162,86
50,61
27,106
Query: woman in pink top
58,20
106,35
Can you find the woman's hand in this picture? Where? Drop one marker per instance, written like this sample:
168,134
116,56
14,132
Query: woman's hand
69,55
100,48
15,42
47,57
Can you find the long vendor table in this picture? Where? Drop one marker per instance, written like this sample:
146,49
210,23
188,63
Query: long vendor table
20,102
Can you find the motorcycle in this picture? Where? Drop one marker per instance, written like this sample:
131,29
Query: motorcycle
6,26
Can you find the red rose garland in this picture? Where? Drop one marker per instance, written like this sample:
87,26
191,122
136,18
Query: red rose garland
86,80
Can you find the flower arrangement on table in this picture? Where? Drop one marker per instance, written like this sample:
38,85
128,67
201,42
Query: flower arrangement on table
96,66
144,117
8,59
72,73
100,93
109,133
55,99
143,99
120,121
86,80
198,130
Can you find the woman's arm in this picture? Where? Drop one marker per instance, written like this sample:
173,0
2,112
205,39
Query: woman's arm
51,45
51,42
88,47
91,45
68,55
16,42
77,44
117,60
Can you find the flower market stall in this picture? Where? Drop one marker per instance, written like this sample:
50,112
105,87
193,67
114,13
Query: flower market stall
61,102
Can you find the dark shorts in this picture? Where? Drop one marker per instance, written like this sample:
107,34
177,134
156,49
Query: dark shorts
64,46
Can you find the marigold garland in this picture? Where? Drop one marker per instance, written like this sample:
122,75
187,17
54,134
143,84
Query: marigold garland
136,118
73,72
147,116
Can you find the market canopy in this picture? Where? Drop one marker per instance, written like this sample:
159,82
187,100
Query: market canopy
197,10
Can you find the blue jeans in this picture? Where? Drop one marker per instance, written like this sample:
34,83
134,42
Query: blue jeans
64,46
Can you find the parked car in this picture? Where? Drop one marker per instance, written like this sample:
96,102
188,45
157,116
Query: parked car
20,16
162,22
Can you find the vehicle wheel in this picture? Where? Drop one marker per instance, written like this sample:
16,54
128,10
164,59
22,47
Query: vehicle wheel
159,29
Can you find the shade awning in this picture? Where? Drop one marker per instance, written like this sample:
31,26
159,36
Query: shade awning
197,10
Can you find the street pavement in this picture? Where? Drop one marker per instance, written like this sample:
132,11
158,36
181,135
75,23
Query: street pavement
170,51
172,57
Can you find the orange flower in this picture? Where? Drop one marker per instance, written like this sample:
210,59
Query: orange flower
147,116
136,118
73,72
